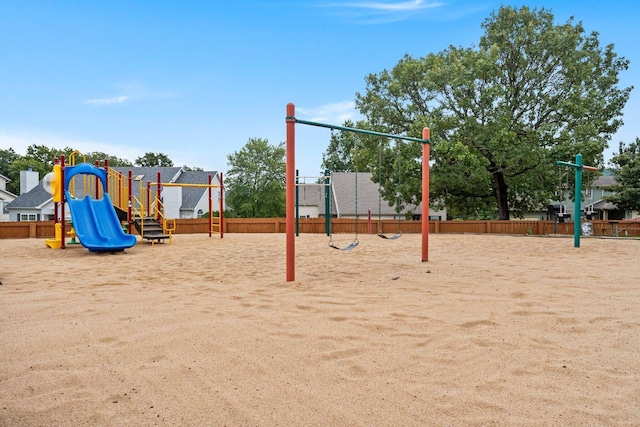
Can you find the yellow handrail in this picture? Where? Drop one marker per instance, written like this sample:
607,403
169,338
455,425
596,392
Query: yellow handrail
160,213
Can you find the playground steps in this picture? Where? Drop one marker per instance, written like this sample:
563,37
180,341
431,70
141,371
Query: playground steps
150,229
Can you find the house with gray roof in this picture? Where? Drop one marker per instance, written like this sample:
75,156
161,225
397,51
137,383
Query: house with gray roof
179,201
593,200
311,200
194,201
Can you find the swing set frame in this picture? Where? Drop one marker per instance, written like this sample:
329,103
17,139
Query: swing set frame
291,122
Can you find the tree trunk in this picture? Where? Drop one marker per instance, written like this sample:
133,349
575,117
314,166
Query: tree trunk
500,190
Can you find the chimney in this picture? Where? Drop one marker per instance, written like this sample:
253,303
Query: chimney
29,180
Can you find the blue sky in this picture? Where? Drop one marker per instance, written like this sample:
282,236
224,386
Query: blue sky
196,79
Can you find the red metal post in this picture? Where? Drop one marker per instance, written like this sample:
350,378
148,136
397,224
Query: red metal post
291,191
426,148
221,206
158,192
210,207
97,164
130,203
106,168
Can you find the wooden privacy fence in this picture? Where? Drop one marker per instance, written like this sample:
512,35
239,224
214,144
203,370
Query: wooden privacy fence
45,229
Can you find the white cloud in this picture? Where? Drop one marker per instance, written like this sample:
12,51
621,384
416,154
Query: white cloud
107,101
379,12
332,113
393,7
136,91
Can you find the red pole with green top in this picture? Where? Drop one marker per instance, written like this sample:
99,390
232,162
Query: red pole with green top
426,153
291,192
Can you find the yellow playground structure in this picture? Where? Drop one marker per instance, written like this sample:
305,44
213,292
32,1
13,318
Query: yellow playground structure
105,206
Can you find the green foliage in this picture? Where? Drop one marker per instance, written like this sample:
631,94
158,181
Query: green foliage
626,167
99,156
256,180
460,178
38,157
7,157
45,156
153,160
216,214
347,151
502,114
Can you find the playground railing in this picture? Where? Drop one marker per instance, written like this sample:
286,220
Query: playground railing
168,224
117,185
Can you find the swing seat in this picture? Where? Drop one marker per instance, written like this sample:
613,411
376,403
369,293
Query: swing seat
394,237
348,248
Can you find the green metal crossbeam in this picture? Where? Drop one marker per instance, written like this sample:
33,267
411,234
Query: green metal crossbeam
356,130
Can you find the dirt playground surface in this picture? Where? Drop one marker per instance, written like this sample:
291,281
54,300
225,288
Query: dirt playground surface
491,331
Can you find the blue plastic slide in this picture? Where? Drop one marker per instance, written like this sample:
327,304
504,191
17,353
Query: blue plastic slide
97,226
95,220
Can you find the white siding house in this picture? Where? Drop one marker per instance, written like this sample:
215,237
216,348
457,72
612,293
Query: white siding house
6,197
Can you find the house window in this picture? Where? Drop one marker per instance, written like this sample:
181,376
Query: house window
200,212
28,217
589,193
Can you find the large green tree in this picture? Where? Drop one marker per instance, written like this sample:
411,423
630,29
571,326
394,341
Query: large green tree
38,158
626,167
503,113
7,157
256,180
154,159
344,147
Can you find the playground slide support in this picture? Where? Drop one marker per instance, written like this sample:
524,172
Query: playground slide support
97,181
105,163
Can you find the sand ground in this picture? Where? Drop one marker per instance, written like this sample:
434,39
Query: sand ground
491,331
